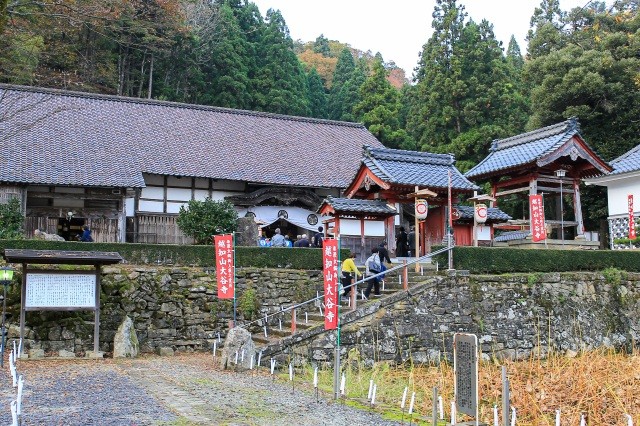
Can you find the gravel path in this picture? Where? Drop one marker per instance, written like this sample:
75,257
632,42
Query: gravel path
182,390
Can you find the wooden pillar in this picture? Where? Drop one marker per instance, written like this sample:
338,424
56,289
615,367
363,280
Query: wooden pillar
293,319
23,298
416,232
96,326
577,208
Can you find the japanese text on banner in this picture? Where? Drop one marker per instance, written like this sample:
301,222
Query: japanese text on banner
632,222
225,272
536,210
330,272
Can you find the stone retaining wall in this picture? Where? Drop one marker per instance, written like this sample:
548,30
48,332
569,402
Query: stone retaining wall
513,316
170,307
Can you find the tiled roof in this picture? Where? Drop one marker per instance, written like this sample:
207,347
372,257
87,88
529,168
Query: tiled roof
512,235
525,148
494,214
415,168
627,162
359,206
71,138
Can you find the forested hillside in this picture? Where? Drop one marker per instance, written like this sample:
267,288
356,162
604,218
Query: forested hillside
467,89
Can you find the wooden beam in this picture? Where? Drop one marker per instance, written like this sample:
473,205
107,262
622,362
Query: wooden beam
556,189
511,191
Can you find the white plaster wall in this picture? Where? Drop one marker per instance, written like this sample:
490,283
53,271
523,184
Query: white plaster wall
618,192
372,228
152,192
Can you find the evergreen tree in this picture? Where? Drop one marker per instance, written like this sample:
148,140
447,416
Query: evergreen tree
227,69
514,55
280,80
317,96
344,71
379,106
465,94
321,45
545,29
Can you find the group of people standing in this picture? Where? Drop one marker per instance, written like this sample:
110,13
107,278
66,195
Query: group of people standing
279,240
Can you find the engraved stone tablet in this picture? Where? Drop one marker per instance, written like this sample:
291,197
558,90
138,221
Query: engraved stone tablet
466,373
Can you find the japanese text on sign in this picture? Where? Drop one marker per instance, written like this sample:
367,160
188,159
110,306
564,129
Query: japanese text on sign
632,222
225,271
466,372
330,272
60,291
538,231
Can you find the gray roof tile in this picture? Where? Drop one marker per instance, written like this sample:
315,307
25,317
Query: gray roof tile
415,168
359,206
525,148
71,138
494,214
627,162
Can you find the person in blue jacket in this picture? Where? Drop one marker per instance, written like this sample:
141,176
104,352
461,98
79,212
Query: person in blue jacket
86,234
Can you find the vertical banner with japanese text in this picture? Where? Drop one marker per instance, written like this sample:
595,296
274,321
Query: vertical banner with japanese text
330,272
225,271
632,221
536,210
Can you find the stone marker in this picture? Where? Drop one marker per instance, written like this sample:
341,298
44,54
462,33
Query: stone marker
165,351
36,353
125,342
63,353
237,340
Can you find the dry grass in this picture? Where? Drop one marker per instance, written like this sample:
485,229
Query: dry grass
602,385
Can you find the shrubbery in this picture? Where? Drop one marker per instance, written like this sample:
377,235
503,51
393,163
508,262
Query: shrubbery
485,260
202,219
187,255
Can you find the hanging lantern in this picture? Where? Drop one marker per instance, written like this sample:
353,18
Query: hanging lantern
422,208
480,213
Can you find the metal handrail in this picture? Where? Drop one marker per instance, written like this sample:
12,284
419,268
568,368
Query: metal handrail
298,305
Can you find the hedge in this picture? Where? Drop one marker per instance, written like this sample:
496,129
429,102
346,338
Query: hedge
187,255
489,260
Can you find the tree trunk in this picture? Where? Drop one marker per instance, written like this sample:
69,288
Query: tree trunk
150,78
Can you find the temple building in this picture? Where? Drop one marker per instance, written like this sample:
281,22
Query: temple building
623,197
125,166
551,161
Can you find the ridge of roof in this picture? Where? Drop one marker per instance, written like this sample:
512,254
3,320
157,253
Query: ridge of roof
626,162
568,126
627,154
408,156
170,104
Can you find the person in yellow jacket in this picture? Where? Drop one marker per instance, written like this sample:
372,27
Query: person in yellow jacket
349,271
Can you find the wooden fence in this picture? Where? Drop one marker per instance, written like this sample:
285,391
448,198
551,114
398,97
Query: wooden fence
155,229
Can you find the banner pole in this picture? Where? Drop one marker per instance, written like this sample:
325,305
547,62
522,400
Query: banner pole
234,277
336,372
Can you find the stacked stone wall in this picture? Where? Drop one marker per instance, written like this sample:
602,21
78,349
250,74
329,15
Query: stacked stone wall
514,316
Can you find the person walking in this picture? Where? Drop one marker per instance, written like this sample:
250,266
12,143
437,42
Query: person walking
349,271
373,267
317,239
278,240
383,253
401,243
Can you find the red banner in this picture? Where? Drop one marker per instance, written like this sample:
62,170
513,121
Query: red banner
225,270
632,221
330,272
536,210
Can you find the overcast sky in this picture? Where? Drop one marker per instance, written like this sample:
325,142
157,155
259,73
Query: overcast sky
397,29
